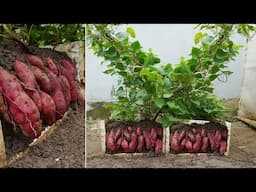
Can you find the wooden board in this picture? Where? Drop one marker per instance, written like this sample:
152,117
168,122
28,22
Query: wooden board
2,148
247,121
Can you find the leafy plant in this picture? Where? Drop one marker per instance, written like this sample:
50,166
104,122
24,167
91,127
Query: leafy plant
148,89
43,34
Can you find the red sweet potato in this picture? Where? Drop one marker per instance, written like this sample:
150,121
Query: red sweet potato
140,143
159,132
133,134
74,88
191,136
111,144
133,143
203,132
182,135
35,96
217,138
183,144
212,142
194,131
51,65
9,84
112,133
223,147
129,129
118,133
158,146
197,144
189,146
55,84
48,108
147,140
205,144
125,146
25,74
224,134
138,131
153,136
118,143
127,135
65,87
60,103
4,109
175,146
69,67
42,79
35,60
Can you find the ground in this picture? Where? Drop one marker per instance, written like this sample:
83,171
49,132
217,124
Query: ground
242,148
64,148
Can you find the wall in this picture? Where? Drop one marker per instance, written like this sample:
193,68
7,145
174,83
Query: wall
169,42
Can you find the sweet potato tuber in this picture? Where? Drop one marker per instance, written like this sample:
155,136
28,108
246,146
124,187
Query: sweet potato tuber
125,146
223,147
140,143
112,133
111,144
224,134
191,136
175,146
205,144
147,140
212,142
197,144
42,79
203,132
158,146
217,138
182,135
48,108
60,103
133,143
138,131
127,135
189,146
69,67
183,144
51,65
118,133
194,131
4,109
35,60
129,129
153,136
118,143
65,87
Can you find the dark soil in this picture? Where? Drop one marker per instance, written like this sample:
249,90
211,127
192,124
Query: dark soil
209,127
64,148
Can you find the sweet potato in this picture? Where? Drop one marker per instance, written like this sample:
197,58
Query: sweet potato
183,144
125,146
4,109
42,79
223,147
175,146
65,87
51,65
69,67
133,134
9,84
194,131
182,135
60,103
203,132
217,138
159,132
158,146
127,135
118,143
25,74
212,142
140,143
111,144
197,144
138,131
224,134
133,143
205,144
35,96
48,108
55,84
129,129
191,136
153,136
118,133
35,60
189,146
147,140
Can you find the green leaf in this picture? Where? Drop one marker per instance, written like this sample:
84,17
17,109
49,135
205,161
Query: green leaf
135,45
120,66
213,77
131,32
220,54
166,121
214,69
199,36
198,75
168,95
108,71
159,102
196,52
227,72
172,105
137,69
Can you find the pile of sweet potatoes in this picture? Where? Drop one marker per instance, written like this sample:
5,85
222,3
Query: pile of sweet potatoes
36,90
198,139
134,139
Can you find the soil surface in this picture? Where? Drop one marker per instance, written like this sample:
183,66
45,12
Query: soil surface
242,148
64,148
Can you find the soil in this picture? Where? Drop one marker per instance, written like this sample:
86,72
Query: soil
242,148
64,148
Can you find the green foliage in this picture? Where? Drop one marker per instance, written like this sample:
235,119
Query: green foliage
148,89
43,34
